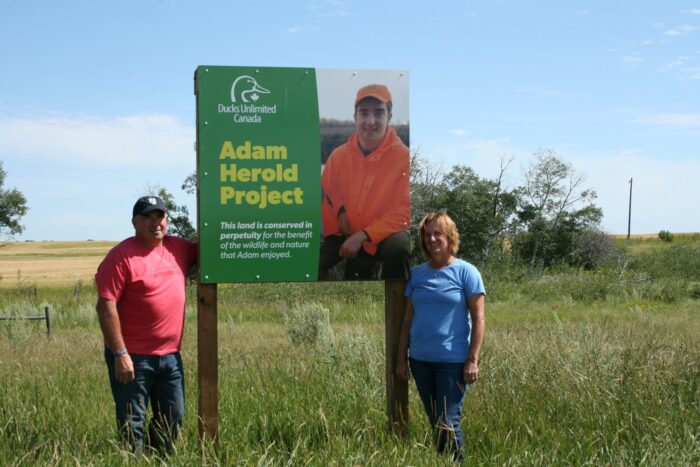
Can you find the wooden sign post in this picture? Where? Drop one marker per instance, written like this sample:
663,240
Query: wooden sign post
208,359
208,362
396,388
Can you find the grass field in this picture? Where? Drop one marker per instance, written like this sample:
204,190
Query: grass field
569,377
50,263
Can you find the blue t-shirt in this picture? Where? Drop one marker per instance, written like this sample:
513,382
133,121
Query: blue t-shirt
441,326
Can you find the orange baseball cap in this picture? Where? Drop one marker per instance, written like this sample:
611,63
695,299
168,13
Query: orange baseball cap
378,91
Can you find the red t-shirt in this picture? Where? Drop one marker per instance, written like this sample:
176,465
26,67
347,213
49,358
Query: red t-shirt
148,285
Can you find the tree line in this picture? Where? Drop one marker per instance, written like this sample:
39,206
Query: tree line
550,218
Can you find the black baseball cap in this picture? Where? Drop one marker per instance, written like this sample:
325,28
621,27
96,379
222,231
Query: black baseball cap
146,204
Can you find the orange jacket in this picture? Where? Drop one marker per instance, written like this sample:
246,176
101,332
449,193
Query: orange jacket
374,190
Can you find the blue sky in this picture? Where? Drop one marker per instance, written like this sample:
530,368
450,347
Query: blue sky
97,104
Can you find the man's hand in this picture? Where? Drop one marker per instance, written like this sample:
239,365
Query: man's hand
124,369
114,341
352,245
345,227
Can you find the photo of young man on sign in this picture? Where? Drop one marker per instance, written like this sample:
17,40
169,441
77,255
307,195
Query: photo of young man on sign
365,205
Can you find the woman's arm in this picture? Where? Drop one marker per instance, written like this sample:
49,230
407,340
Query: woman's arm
402,359
476,310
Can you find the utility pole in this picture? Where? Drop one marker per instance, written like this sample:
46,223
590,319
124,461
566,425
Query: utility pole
629,215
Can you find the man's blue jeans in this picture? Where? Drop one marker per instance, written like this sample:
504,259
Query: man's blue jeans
160,381
441,388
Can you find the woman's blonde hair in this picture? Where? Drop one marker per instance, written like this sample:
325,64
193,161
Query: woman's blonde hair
446,225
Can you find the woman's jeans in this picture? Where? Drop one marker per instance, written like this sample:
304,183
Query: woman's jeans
442,389
158,379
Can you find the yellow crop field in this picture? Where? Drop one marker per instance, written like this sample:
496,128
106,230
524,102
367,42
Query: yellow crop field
50,263
655,236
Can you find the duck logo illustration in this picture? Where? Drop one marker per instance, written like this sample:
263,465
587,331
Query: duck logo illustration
246,89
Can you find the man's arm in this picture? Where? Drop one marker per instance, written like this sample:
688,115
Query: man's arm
332,201
476,310
112,332
352,245
344,223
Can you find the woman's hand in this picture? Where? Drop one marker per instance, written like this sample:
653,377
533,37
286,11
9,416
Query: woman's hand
402,370
471,372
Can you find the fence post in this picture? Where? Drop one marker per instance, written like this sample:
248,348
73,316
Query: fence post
47,314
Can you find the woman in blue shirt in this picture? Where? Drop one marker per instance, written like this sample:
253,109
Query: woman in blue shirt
443,328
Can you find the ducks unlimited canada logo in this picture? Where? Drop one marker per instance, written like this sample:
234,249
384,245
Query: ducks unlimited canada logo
245,93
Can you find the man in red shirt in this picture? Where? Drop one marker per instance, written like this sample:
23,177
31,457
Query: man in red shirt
141,308
366,195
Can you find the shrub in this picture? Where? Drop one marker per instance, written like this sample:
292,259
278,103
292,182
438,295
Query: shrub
309,324
678,261
665,236
694,290
593,248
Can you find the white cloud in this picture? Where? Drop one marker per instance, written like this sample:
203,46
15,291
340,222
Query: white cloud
677,63
300,28
630,151
632,59
682,120
692,73
150,140
458,132
538,91
680,30
62,162
334,13
321,12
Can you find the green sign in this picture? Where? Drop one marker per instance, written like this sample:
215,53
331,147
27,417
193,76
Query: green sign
259,174
303,174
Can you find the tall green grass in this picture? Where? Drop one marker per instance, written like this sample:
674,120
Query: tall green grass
578,368
561,383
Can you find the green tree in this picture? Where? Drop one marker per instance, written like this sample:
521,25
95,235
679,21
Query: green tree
483,209
554,208
427,189
13,205
189,186
179,223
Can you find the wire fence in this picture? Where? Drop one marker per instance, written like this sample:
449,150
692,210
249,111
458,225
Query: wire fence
46,317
